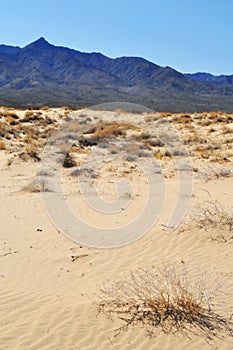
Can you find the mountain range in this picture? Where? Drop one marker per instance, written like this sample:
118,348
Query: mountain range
42,74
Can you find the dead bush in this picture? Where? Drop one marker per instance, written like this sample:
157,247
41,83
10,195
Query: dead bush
166,297
213,217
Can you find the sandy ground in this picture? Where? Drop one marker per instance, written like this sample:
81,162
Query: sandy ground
47,301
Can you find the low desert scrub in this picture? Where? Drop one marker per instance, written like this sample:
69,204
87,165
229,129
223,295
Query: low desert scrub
2,146
69,162
8,113
168,298
11,120
3,129
30,132
36,186
152,117
229,118
166,114
182,118
105,131
213,173
30,152
213,217
212,214
30,116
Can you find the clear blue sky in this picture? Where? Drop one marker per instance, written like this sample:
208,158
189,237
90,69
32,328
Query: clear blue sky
188,35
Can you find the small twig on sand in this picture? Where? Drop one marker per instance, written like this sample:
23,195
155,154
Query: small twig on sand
8,253
76,257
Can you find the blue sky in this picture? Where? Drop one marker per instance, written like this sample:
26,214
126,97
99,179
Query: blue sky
188,35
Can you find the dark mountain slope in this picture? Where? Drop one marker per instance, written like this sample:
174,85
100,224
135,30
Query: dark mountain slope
210,78
43,74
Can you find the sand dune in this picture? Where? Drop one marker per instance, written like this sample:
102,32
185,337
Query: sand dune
48,301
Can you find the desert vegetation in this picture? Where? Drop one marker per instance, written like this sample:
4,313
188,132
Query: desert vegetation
207,136
212,217
167,297
156,299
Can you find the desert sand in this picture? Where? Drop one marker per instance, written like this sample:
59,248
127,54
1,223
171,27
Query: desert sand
49,283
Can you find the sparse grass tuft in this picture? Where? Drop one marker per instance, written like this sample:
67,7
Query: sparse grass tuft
167,297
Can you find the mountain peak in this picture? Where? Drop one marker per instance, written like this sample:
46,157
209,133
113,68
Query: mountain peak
40,43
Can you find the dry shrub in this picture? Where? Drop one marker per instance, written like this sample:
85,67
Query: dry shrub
167,297
30,116
205,122
65,108
213,115
36,186
183,118
158,155
167,153
212,173
152,117
145,136
29,131
2,146
31,151
155,142
165,114
192,138
104,131
229,118
132,149
3,129
10,120
7,113
69,162
212,216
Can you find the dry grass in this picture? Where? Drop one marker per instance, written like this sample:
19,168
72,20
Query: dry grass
212,216
106,131
30,152
167,297
165,114
2,146
182,118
